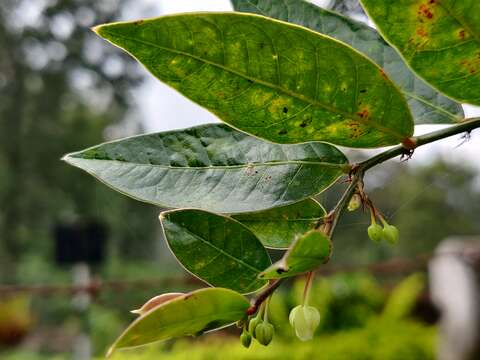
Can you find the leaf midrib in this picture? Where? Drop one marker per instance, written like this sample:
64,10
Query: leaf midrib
435,107
252,268
203,168
189,322
370,122
275,220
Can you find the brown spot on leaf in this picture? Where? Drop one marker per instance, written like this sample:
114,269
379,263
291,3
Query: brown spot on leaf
472,66
461,34
363,113
138,22
355,129
422,32
282,132
425,11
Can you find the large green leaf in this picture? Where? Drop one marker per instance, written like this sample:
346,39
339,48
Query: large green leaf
215,248
427,105
439,39
212,167
278,227
189,314
307,253
275,80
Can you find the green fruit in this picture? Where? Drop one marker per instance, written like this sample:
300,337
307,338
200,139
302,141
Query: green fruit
246,339
253,324
304,320
391,234
375,232
264,333
354,203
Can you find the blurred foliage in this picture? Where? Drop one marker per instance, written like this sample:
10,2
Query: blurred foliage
404,297
359,321
61,91
15,319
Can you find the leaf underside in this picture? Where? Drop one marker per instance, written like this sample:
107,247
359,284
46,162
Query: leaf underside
427,105
278,227
439,39
216,249
189,314
212,167
277,81
307,253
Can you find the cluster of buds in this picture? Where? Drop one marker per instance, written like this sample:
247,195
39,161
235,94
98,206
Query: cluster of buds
377,233
258,328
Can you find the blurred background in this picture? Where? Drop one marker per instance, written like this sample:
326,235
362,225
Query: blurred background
63,89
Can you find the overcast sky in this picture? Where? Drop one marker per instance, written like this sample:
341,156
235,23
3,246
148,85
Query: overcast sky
164,109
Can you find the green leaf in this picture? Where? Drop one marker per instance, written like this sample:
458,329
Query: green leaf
439,39
212,167
307,253
426,104
277,81
189,314
216,249
278,227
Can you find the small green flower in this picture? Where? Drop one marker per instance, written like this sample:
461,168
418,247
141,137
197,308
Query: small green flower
304,320
264,333
253,324
391,234
375,232
246,338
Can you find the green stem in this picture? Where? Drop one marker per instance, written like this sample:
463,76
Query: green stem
308,286
265,316
466,126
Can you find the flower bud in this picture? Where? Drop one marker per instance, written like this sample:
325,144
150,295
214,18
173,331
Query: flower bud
390,233
305,320
375,232
264,333
156,301
246,339
253,324
354,203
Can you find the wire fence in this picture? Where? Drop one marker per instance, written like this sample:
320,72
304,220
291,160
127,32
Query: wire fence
395,266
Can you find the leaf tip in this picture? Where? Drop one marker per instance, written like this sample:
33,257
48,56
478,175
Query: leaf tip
161,216
96,29
100,30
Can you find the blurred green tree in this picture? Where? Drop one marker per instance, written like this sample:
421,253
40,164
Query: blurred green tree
60,90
